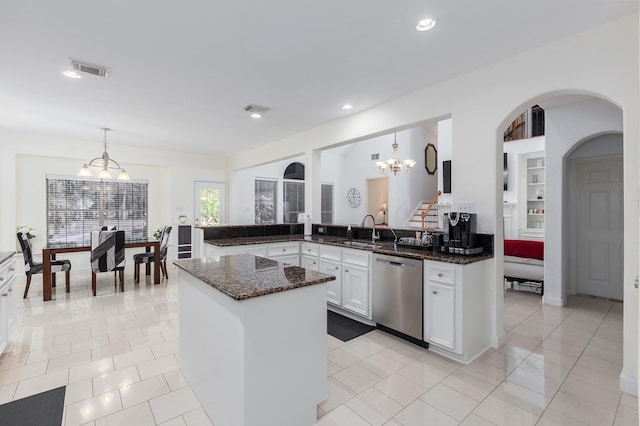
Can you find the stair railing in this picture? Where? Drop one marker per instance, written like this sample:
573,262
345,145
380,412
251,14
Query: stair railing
426,211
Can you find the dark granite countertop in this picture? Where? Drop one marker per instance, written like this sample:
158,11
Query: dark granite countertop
384,247
4,255
243,276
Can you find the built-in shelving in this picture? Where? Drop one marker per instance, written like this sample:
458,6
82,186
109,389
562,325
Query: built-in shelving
531,195
535,192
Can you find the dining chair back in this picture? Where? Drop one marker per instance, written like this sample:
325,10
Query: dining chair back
107,254
148,258
31,267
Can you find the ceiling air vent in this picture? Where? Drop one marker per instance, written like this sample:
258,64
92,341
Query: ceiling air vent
98,70
375,157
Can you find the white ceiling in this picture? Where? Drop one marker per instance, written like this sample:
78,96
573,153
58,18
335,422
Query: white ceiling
182,71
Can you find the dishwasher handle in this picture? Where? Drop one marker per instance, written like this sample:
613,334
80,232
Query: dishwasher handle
393,263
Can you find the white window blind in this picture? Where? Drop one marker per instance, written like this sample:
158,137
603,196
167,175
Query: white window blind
293,203
326,203
77,206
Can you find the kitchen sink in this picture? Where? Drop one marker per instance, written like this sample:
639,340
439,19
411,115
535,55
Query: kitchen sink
361,244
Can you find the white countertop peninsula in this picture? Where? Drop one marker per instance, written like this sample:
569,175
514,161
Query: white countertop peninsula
253,336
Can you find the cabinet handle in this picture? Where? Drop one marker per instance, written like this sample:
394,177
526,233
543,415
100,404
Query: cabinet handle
1,278
337,267
10,290
346,270
283,250
314,263
5,294
440,274
12,269
434,291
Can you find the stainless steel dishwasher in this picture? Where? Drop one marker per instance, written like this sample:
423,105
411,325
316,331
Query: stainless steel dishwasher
397,294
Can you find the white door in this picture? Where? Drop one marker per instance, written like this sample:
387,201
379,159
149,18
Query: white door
209,203
600,228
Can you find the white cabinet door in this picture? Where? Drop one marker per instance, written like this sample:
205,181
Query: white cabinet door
440,315
355,289
310,262
334,288
4,317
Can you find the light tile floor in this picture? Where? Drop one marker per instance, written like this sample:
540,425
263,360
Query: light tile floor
118,355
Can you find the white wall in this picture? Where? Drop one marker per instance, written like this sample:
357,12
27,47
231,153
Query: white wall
26,159
445,153
243,182
481,104
350,166
512,149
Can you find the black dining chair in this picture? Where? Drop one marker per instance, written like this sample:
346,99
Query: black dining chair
107,254
147,258
31,267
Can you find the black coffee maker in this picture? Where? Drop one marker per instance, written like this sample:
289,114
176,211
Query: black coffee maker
459,233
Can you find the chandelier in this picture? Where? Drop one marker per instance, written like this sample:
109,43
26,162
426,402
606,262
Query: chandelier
104,163
393,164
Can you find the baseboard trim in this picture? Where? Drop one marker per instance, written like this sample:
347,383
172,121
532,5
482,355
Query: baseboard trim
554,301
628,385
499,340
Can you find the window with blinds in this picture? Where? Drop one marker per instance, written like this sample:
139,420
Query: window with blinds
326,203
293,201
77,206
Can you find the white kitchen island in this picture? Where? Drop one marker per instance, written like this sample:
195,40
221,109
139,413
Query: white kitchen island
253,339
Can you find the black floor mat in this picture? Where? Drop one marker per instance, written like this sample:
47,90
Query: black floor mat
344,328
42,409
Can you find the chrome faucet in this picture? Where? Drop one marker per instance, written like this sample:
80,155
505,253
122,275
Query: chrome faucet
395,238
374,237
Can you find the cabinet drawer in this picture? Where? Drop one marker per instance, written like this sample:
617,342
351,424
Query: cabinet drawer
283,249
441,274
332,253
356,257
7,270
256,250
309,249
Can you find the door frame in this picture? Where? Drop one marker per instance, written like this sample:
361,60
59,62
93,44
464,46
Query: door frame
570,219
224,199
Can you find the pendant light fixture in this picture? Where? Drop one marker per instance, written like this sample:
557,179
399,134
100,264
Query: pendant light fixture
104,163
393,164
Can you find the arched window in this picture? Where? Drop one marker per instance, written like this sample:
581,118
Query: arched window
294,171
293,192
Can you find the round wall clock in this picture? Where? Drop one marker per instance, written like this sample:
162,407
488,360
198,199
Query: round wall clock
353,197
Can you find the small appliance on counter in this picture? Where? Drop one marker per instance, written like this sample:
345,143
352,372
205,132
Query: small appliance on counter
422,240
459,236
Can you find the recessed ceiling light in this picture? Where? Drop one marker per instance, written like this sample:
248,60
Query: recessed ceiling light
347,106
72,74
256,115
426,24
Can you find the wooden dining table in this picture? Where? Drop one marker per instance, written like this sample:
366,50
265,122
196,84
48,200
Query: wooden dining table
49,253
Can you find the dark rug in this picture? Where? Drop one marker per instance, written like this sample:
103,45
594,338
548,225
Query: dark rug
42,409
344,328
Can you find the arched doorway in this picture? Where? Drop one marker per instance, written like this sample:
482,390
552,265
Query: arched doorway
583,129
570,121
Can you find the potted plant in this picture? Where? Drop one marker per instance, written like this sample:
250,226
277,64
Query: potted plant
31,233
157,234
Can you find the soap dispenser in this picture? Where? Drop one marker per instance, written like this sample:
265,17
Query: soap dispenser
349,236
